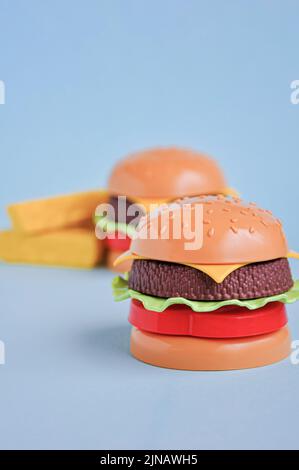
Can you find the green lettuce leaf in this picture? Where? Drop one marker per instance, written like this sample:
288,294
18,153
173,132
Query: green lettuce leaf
110,226
157,304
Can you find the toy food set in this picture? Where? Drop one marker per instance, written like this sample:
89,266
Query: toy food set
219,306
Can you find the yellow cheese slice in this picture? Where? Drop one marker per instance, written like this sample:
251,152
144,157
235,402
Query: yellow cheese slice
126,256
231,192
146,203
218,272
150,204
55,213
70,248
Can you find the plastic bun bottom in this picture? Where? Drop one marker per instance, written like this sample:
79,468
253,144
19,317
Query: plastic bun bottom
190,353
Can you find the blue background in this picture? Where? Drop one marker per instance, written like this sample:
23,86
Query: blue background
86,83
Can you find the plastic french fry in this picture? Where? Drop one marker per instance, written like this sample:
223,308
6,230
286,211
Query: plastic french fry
41,215
70,248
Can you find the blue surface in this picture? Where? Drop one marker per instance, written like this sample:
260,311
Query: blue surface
87,82
69,381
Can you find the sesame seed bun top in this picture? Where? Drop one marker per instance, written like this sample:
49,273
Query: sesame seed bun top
233,232
166,173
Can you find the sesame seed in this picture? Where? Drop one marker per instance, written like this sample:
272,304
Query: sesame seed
264,223
211,232
234,229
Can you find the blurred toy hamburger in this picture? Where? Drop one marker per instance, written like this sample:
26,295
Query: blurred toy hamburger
219,305
150,178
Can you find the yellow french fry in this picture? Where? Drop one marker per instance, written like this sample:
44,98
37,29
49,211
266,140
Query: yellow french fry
71,248
41,215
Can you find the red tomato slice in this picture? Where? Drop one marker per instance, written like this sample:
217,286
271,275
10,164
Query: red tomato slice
226,322
113,242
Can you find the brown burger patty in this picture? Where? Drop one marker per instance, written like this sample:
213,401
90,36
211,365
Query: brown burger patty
162,279
113,200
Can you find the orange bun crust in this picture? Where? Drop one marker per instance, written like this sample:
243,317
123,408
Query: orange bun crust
233,232
189,353
166,173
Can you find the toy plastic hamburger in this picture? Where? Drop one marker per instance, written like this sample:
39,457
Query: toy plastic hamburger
218,306
150,177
